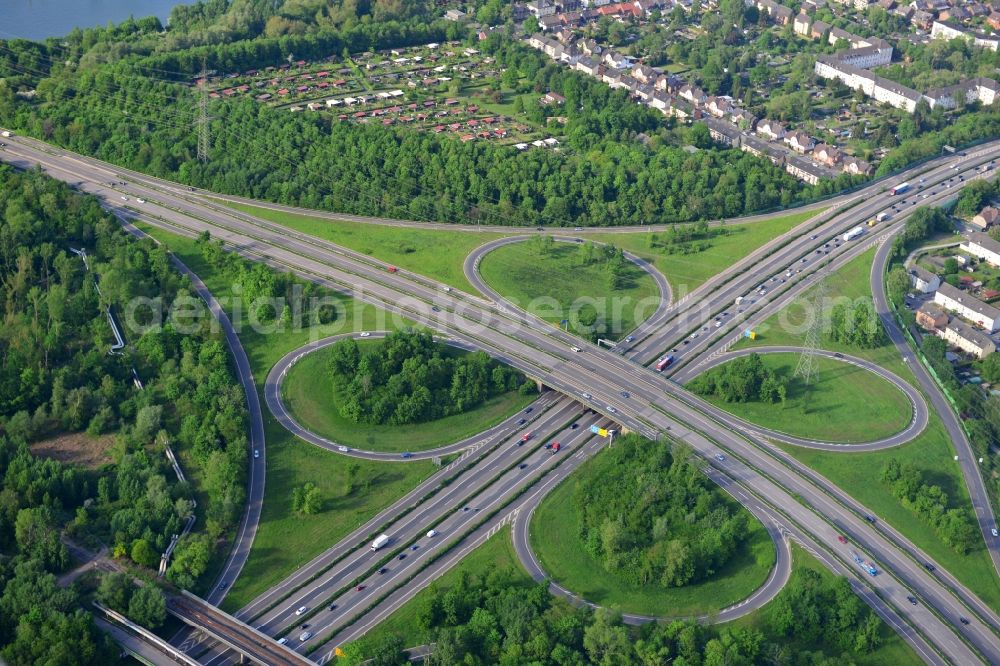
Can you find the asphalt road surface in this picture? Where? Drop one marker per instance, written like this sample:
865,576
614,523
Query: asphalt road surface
544,353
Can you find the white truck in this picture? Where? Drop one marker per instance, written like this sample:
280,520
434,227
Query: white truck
380,541
853,233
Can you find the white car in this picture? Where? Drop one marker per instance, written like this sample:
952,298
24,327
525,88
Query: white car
994,531
141,200
343,449
124,198
365,334
432,534
586,396
256,453
305,635
282,641
612,409
718,324
576,349
301,610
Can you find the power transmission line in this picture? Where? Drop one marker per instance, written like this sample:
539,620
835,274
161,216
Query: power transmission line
202,122
806,367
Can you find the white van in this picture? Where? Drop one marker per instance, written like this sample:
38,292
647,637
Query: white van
432,534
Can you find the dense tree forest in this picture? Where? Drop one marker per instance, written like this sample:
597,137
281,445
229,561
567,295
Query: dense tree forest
743,379
496,618
132,111
955,527
57,377
662,524
407,378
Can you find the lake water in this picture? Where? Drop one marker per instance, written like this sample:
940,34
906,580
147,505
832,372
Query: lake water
38,19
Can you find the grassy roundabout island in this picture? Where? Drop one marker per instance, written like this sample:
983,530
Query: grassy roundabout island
645,531
574,282
844,403
315,396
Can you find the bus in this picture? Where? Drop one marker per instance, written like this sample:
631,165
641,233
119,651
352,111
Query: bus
664,363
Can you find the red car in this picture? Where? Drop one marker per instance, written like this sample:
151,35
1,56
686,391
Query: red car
360,587
842,539
525,437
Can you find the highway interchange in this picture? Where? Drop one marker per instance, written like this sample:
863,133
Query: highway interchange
809,509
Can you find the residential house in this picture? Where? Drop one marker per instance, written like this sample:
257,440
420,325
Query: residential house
984,247
828,155
772,129
968,339
855,166
805,170
986,218
800,142
801,24
931,317
819,29
923,280
718,106
967,306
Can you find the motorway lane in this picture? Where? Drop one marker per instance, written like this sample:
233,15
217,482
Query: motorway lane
390,300
298,591
537,357
918,420
941,633
276,404
775,259
450,525
967,460
832,253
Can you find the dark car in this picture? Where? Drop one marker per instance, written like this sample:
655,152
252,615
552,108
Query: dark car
912,600
305,625
522,421
574,426
529,410
929,566
523,466
870,519
405,455
963,620
382,571
402,556
359,588
838,355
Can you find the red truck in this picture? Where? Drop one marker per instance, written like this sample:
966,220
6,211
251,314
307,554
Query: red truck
392,269
555,447
664,363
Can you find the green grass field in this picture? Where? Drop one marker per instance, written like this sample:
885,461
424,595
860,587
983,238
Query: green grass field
844,404
285,541
556,542
496,554
435,253
893,650
858,473
555,286
312,397
686,272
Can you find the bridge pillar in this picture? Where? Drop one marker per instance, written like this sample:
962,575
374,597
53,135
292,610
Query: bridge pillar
540,386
